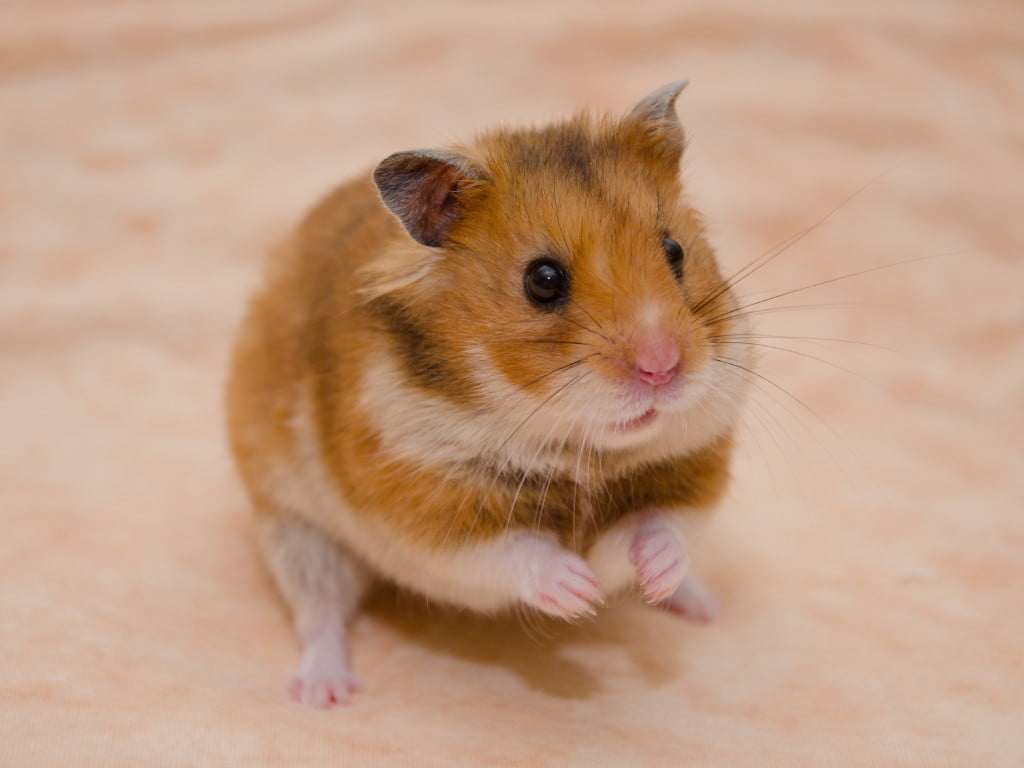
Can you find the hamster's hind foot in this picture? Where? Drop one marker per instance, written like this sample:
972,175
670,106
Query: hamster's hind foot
692,601
323,679
323,585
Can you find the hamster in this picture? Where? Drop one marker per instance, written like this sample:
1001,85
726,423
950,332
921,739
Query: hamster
490,374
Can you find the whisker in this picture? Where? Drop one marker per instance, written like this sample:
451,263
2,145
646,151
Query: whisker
544,402
559,369
836,305
809,356
776,250
742,309
458,511
541,341
585,328
802,338
762,414
786,392
585,433
497,453
526,472
544,491
585,311
787,407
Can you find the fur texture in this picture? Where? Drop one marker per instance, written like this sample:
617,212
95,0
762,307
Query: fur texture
395,387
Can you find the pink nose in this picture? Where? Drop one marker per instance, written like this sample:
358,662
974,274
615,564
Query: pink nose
656,360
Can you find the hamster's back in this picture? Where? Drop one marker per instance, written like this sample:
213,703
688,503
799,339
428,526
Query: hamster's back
312,275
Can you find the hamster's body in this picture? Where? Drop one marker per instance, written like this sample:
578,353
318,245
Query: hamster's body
491,394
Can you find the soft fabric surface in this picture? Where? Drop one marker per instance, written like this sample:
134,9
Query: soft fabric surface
869,557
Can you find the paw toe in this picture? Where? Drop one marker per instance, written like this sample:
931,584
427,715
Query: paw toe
566,588
660,563
323,694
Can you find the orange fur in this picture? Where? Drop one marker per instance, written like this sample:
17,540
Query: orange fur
351,293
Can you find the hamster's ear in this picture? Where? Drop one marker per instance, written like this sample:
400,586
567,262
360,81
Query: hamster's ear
426,190
654,125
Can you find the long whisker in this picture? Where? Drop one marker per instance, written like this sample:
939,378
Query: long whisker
539,518
542,341
585,311
787,407
745,307
747,336
543,402
731,362
835,305
772,253
762,414
559,369
809,356
585,328
585,433
526,472
498,452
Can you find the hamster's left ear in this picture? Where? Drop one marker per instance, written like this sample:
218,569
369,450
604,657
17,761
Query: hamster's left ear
654,127
427,190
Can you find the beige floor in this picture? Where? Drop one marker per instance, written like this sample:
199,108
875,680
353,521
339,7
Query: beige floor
871,567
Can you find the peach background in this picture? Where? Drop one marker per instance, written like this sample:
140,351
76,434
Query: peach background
871,570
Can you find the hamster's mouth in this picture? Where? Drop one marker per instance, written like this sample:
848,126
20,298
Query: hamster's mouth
644,419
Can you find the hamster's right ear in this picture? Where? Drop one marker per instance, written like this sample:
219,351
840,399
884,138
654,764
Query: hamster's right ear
427,190
653,126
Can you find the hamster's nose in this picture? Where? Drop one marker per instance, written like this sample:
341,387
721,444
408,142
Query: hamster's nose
656,360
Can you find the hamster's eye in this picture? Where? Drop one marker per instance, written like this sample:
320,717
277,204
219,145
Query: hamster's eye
546,283
674,255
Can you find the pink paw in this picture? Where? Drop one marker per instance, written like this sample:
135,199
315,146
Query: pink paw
562,585
659,559
323,694
693,602
323,679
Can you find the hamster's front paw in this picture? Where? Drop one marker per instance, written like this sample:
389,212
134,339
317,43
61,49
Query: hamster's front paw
556,581
323,679
659,558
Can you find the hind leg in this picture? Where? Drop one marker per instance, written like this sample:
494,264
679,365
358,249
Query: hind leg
692,601
323,587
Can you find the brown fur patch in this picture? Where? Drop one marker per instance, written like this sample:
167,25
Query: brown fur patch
597,196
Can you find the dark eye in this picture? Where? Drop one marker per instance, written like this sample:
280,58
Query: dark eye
546,283
674,255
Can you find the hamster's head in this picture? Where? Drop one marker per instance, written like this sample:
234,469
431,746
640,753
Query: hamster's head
555,281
